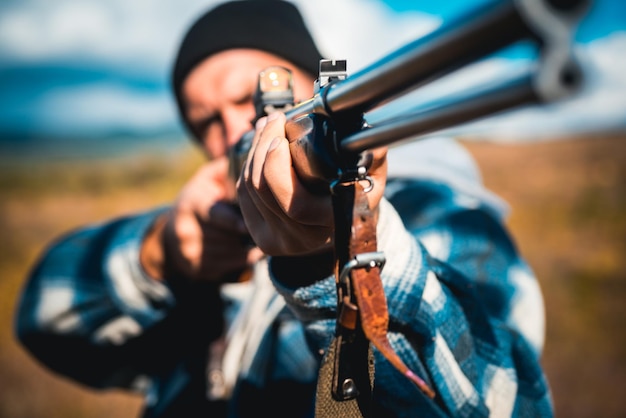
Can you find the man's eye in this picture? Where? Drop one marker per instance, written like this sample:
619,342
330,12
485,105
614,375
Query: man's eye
201,127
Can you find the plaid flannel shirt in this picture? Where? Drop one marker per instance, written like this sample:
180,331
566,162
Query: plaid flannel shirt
466,312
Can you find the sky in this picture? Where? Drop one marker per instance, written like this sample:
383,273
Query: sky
100,68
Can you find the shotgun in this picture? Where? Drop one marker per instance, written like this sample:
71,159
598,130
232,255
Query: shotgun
330,130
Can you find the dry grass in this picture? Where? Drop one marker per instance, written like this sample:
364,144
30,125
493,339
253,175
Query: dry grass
39,201
569,219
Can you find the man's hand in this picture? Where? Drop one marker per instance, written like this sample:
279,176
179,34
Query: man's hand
283,217
203,237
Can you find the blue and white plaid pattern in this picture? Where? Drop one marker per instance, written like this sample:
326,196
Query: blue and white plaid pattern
466,313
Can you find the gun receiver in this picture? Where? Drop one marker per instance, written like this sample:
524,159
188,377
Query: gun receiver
330,128
274,93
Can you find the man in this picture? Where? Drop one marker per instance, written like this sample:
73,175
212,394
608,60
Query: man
177,304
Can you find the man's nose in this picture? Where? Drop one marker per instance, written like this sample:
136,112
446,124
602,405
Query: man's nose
236,123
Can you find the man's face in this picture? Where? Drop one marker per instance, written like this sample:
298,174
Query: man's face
217,95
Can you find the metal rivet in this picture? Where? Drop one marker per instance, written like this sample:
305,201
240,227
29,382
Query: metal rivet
349,389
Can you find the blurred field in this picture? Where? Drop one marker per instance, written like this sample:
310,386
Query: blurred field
569,219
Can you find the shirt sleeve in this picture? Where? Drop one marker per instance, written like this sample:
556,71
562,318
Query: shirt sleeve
89,311
456,290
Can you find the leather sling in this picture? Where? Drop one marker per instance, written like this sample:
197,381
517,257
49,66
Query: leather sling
346,376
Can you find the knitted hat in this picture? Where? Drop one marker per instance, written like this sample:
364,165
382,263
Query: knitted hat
273,26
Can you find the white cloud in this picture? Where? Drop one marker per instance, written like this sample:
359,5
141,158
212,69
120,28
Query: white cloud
117,32
101,107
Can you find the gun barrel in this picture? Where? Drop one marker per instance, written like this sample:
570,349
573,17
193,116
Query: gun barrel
548,23
455,44
527,88
468,107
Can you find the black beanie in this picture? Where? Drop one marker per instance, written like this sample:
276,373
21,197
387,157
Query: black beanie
273,26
